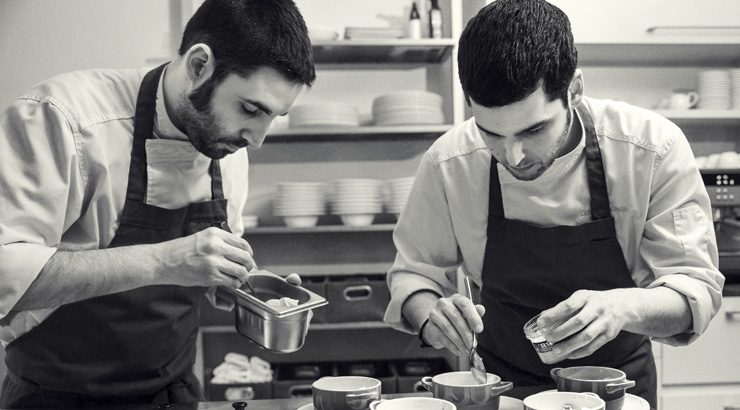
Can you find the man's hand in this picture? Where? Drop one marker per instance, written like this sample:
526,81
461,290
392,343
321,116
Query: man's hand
451,324
210,257
584,322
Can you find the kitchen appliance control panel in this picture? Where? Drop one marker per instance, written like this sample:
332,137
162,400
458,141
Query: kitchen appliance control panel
723,186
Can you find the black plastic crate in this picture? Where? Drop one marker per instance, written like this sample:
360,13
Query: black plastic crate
410,373
295,379
377,370
357,298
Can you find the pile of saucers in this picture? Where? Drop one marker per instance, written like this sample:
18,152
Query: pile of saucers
356,200
398,193
714,90
300,203
408,107
324,114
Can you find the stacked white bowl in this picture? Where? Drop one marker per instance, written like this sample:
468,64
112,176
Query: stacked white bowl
714,90
408,107
398,193
356,200
330,114
300,203
735,80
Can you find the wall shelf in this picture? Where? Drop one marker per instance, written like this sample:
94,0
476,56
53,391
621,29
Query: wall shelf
319,229
697,116
658,54
392,51
312,326
307,134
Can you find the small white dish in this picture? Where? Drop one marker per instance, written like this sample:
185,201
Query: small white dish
357,219
301,221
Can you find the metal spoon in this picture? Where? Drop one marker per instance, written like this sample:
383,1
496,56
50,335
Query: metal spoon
225,227
476,363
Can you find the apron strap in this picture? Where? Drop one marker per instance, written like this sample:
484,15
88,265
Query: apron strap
594,168
143,130
495,201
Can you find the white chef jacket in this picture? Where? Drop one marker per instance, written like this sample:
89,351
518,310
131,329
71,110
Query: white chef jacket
658,200
65,149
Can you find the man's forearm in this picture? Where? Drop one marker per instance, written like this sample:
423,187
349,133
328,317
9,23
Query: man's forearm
70,276
657,312
417,307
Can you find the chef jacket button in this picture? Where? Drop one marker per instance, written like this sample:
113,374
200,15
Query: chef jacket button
239,405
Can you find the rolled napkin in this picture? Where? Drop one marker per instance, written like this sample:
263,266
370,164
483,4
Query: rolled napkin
238,368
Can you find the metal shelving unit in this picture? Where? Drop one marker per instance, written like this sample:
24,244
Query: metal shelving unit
310,134
393,51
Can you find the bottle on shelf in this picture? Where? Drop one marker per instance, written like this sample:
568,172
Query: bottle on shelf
435,20
414,27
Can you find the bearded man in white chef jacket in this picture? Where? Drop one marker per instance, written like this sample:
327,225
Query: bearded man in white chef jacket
118,189
590,211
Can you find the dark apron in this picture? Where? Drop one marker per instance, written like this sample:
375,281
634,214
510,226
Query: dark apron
528,269
130,347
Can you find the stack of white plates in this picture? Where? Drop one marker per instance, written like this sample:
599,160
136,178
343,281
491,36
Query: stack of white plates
398,194
735,80
324,114
714,90
373,32
356,200
300,203
408,107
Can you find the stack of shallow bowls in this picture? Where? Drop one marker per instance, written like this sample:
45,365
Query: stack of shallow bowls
356,200
408,107
398,194
735,80
714,90
300,203
324,114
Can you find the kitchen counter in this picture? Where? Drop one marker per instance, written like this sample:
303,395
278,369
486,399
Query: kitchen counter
272,404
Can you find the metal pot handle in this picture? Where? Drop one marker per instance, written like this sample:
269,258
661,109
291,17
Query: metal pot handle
615,387
554,373
501,387
426,381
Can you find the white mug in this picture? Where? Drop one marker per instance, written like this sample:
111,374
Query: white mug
683,99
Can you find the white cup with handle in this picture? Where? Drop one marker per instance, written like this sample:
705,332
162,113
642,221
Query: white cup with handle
683,99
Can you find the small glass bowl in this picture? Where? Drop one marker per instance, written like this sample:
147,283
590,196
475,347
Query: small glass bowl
535,335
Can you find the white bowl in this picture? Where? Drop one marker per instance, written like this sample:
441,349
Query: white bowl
357,219
301,221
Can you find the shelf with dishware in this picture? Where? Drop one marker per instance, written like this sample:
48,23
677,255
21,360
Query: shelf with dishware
659,54
383,51
704,117
358,133
270,230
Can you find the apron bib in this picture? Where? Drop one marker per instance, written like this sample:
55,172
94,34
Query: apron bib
130,347
528,269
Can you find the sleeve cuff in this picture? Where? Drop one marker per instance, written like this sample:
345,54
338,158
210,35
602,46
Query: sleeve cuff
402,285
21,264
704,301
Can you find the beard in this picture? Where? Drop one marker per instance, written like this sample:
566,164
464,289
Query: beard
196,115
539,168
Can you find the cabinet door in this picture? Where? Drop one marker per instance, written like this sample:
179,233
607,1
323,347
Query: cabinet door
707,398
653,21
714,357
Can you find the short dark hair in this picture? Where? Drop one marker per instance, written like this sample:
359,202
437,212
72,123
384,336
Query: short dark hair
245,35
511,47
